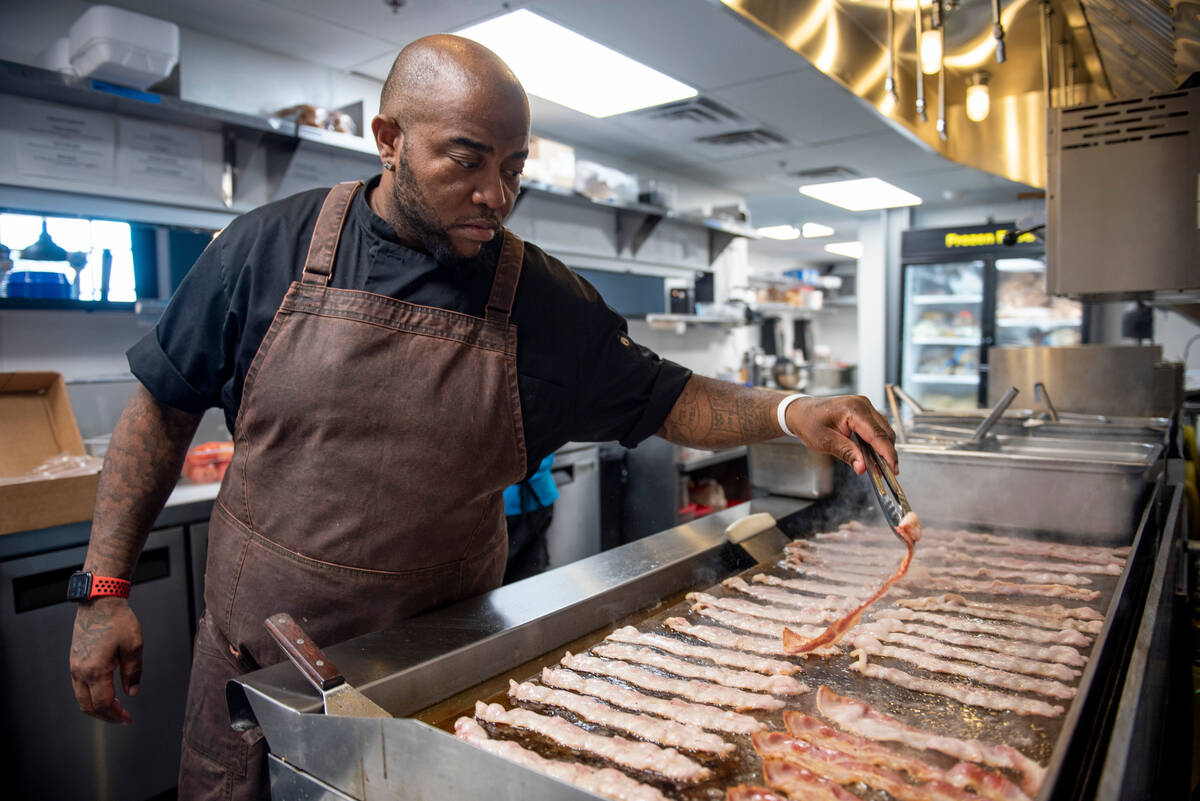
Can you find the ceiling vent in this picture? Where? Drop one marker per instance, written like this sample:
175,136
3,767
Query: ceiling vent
736,144
822,175
696,112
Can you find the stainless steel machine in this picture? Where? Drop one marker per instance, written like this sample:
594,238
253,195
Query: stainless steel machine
430,667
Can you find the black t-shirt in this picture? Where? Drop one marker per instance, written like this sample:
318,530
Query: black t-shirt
580,376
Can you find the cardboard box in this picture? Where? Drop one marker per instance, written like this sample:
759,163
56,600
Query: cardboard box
36,424
551,163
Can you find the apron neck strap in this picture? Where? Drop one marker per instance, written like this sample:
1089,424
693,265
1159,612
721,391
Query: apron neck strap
508,272
321,250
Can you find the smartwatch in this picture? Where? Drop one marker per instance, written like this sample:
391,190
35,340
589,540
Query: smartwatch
86,586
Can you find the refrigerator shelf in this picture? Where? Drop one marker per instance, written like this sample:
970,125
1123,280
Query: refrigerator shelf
932,378
968,341
946,300
1036,322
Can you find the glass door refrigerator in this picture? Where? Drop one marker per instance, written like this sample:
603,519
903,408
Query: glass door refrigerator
964,291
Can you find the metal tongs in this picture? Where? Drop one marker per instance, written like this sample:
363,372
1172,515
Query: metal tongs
892,501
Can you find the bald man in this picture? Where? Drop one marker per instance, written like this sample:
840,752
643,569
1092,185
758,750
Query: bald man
363,344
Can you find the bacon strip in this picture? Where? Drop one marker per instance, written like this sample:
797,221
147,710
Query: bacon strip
845,768
644,727
1030,576
702,715
851,558
787,597
702,691
1012,631
858,717
731,639
814,587
869,644
909,531
750,623
720,656
639,755
1060,654
1004,662
780,613
799,783
1010,588
827,573
606,782
966,694
1048,615
987,783
749,792
990,543
742,679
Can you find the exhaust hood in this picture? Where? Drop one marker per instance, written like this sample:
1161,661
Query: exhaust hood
1055,53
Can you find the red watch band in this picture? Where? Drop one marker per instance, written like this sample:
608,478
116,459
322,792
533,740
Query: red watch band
104,585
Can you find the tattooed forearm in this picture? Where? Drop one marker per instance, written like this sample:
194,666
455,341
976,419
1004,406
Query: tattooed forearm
720,414
140,469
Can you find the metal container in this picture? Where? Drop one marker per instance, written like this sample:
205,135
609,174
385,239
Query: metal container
1024,423
786,466
1121,380
1090,489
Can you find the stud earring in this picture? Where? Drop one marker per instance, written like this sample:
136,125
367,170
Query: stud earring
387,165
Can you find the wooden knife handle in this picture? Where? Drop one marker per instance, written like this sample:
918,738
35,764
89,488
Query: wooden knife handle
303,652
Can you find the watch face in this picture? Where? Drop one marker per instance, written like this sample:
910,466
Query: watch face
79,587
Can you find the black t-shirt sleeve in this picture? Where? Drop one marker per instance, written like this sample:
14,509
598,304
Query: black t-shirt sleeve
187,357
626,390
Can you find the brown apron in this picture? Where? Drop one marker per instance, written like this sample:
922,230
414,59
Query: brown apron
374,440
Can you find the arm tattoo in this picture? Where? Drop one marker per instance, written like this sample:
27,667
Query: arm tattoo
721,414
140,470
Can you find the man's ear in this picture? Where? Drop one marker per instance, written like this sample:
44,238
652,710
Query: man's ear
389,139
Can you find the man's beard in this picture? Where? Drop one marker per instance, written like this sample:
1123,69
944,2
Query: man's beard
417,217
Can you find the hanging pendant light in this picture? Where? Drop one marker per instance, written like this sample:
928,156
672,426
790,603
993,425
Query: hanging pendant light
941,117
920,70
43,249
931,51
890,96
979,100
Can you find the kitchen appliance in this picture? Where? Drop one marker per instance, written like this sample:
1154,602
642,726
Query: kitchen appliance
574,530
435,666
1121,200
1117,380
786,466
965,292
53,750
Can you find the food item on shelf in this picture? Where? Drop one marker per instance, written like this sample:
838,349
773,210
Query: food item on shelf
208,462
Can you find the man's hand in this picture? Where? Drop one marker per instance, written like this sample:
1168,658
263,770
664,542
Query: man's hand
107,637
825,424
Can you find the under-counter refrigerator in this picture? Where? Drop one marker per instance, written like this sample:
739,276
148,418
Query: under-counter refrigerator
964,291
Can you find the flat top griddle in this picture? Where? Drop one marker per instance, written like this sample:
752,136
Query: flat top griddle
1035,736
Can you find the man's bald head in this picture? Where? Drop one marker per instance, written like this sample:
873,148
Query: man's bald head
443,68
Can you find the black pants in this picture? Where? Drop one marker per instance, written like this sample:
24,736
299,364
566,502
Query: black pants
527,553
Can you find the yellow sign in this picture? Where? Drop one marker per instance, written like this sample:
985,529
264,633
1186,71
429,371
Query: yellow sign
983,239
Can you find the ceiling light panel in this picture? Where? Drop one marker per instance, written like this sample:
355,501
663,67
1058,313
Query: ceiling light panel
784,232
812,230
564,67
863,194
853,250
